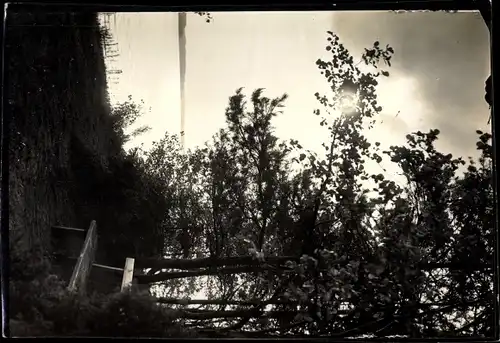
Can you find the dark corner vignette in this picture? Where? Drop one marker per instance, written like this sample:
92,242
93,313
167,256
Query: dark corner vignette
4,187
83,228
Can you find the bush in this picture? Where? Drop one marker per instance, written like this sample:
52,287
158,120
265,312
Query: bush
32,287
130,314
40,305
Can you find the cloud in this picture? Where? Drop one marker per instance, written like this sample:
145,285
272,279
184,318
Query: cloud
446,54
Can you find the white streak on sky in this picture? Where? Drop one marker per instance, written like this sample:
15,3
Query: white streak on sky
182,69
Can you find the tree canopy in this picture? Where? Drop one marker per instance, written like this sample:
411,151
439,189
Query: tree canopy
288,241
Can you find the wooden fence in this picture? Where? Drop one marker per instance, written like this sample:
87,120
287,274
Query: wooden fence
85,261
86,258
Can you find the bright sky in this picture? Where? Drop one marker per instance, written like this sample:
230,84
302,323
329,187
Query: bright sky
278,50
437,79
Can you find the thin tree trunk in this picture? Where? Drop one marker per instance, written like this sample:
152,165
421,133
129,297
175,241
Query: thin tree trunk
206,315
175,301
146,279
210,262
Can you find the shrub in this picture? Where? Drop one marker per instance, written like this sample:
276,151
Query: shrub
40,305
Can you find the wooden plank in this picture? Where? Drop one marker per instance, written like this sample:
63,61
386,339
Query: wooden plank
67,228
128,274
102,266
108,267
85,261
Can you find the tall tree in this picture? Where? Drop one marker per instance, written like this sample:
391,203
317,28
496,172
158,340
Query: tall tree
328,247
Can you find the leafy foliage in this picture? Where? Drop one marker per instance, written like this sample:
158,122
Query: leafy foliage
208,17
286,241
365,255
125,115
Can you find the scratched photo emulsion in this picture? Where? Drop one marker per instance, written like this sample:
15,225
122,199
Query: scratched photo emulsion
250,174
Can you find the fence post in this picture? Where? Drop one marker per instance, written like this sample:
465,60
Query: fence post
128,274
83,266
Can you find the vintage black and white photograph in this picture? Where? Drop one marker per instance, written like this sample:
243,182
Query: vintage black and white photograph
250,173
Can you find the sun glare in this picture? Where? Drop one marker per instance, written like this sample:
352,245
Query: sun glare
348,103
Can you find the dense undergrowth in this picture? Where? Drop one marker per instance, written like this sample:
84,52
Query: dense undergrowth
40,305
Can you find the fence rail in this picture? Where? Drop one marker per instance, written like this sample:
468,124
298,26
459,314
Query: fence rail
85,260
67,228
